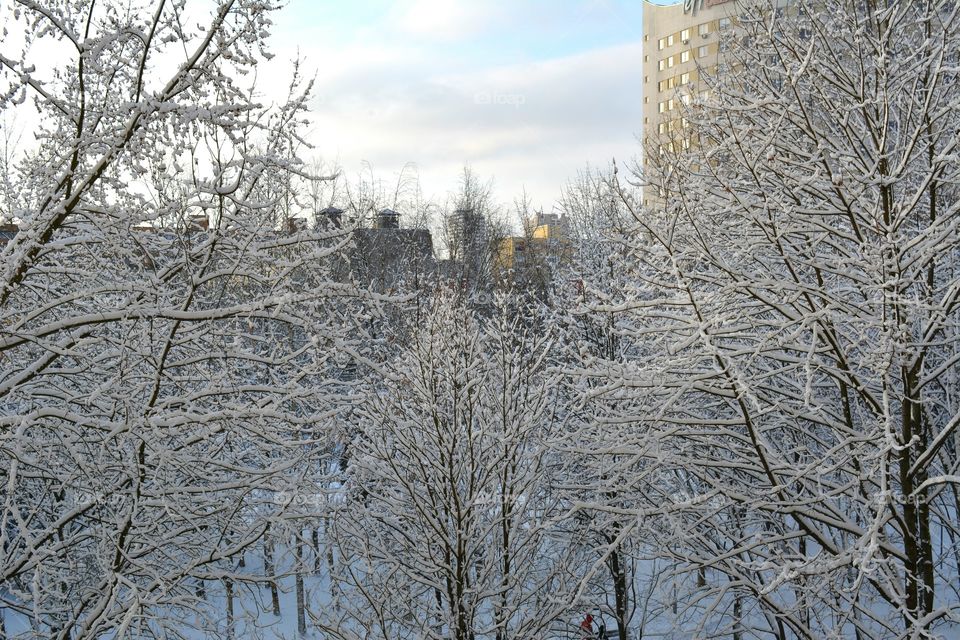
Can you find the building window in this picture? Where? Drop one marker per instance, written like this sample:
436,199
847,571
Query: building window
663,107
724,23
670,38
704,28
685,34
685,98
661,43
685,56
646,100
670,104
662,64
662,85
684,78
646,58
670,62
702,52
662,128
646,79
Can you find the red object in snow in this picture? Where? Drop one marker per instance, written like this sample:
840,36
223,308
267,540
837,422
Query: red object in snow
587,624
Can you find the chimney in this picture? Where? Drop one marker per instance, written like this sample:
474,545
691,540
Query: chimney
388,219
331,216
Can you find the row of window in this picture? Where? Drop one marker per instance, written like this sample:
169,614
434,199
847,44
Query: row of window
672,83
673,147
683,56
673,125
663,43
703,29
686,98
667,105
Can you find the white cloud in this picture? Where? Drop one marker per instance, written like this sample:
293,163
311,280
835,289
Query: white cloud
528,124
401,90
444,20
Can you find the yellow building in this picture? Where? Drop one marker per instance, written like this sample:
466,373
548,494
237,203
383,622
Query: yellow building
546,246
510,252
680,41
550,226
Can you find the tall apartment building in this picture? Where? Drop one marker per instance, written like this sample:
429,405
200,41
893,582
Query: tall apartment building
680,41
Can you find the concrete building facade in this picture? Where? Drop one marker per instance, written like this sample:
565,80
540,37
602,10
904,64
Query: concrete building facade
681,41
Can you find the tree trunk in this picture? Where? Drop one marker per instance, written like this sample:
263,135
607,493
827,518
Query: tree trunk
301,600
329,545
315,539
269,567
439,598
621,592
918,576
228,587
737,613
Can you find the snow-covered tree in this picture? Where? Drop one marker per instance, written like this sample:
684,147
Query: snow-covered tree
794,303
165,345
601,467
447,525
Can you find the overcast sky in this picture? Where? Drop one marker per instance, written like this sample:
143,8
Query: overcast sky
525,91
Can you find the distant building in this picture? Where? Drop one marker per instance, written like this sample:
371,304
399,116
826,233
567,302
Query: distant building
388,258
530,263
471,251
512,254
547,247
681,42
467,235
551,226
